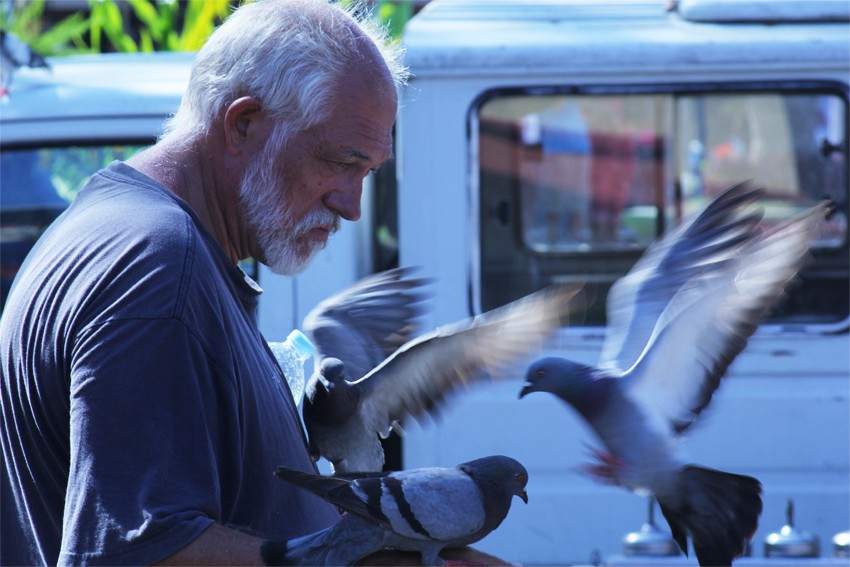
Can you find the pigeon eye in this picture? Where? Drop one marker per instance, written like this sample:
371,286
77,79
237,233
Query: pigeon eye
520,477
541,373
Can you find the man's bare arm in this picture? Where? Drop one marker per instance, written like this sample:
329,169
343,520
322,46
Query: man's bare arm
219,545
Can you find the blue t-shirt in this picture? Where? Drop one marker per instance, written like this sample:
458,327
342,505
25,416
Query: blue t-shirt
140,402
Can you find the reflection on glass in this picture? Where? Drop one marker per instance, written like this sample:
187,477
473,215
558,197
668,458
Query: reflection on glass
576,186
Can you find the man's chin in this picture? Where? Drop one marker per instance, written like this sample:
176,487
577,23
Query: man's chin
293,264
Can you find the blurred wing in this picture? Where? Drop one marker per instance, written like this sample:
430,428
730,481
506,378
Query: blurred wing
709,321
417,378
700,245
365,323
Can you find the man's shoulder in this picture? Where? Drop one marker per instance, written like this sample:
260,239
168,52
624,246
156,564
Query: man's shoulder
120,193
121,235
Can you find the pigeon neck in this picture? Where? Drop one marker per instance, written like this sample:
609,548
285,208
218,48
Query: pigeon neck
496,500
592,396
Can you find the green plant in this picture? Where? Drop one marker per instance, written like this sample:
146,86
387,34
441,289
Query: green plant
394,14
163,25
159,21
25,20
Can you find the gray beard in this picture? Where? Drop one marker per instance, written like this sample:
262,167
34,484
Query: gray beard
283,240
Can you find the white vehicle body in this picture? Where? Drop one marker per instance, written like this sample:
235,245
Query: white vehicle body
783,412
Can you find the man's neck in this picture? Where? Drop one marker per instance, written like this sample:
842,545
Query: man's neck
192,176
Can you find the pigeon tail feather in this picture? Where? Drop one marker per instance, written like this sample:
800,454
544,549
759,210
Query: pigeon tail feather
318,484
719,510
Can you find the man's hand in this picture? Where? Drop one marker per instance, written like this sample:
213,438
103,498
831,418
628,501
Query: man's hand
455,556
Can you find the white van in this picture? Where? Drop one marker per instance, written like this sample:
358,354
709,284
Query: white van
552,140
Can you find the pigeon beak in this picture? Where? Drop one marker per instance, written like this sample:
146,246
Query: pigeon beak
524,496
527,389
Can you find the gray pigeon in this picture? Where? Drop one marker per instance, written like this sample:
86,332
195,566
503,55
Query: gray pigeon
677,320
345,418
15,53
421,510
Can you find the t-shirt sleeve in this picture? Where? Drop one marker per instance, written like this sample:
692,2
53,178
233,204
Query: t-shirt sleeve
145,463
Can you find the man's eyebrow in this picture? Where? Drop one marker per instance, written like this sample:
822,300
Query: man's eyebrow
356,154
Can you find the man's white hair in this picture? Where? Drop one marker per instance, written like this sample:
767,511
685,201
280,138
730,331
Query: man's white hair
289,54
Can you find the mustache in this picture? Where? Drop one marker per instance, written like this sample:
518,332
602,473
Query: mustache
319,218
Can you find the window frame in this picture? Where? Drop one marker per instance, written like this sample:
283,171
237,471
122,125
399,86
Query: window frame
674,89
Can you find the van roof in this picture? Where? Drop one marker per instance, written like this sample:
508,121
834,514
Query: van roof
503,36
763,11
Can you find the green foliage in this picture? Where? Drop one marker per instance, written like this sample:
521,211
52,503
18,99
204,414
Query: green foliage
162,25
26,22
159,21
394,14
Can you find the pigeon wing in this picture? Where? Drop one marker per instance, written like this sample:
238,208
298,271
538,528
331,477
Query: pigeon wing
417,378
365,323
340,490
433,503
637,300
710,319
438,503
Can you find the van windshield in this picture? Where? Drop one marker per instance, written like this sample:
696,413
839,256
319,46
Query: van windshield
575,186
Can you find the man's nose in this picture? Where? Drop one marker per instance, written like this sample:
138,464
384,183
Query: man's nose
345,201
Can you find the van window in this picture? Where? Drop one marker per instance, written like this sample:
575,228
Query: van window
573,185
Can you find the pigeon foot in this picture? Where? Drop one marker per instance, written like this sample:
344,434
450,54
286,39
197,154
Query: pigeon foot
608,470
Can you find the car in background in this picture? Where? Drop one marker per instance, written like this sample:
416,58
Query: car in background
62,124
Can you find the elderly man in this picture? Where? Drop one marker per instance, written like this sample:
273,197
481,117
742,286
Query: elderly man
143,413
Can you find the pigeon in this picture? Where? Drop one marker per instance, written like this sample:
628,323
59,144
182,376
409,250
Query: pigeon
14,53
365,323
677,320
424,510
347,414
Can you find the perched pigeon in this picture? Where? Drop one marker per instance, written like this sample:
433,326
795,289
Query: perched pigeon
676,322
15,53
421,510
344,419
365,323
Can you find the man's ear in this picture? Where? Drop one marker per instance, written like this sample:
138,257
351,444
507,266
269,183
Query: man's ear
244,123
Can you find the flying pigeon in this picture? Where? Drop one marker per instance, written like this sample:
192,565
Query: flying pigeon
345,413
421,510
365,323
15,53
677,320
